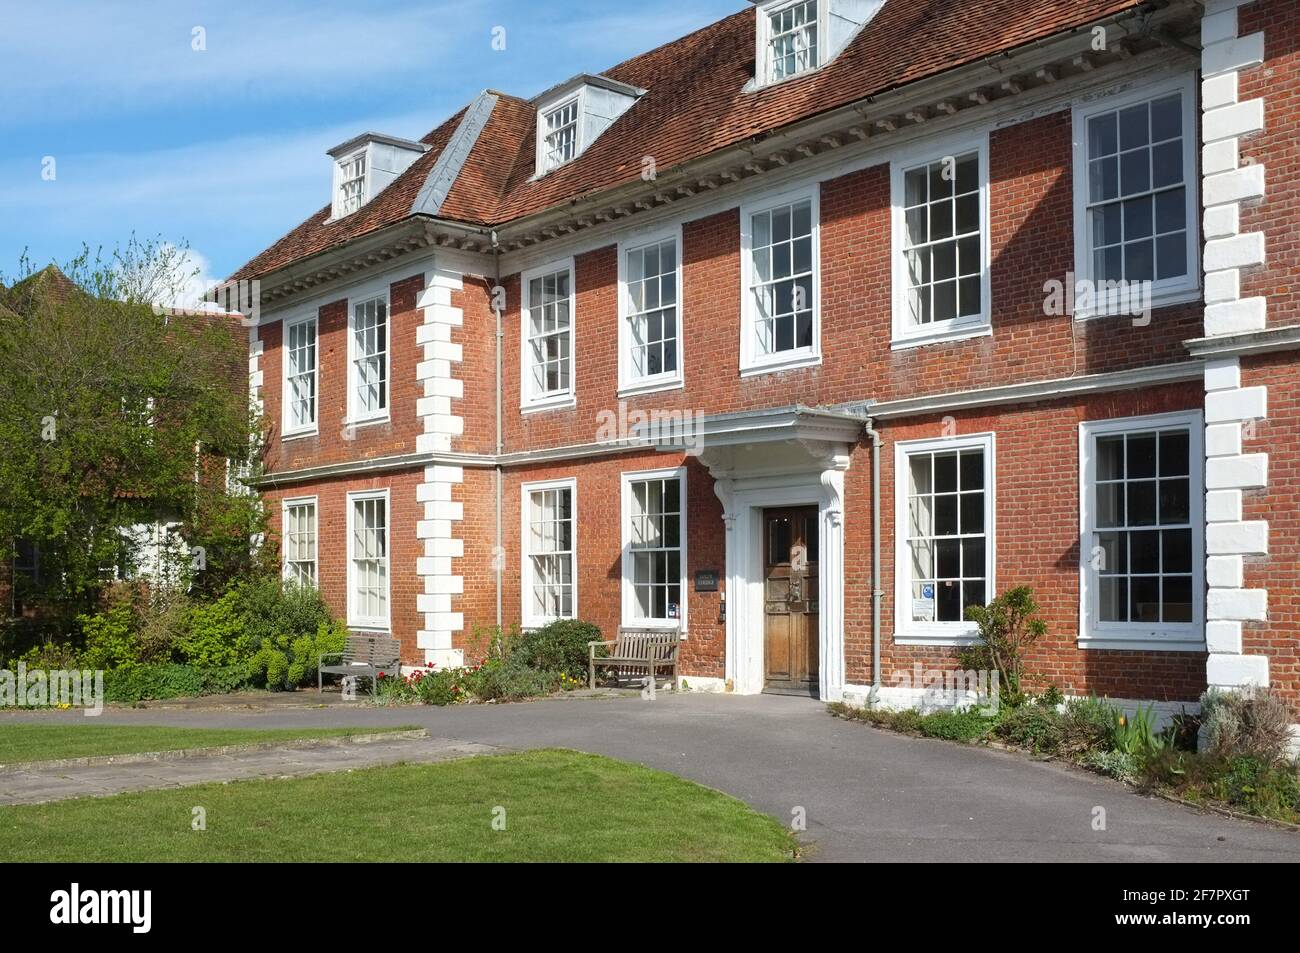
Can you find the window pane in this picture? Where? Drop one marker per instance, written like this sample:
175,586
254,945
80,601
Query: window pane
1143,576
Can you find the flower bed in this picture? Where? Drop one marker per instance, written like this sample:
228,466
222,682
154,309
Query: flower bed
517,665
1245,766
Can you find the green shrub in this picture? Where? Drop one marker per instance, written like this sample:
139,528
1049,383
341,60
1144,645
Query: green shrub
956,725
1251,723
145,682
216,634
908,719
1033,727
1052,697
225,679
58,656
1008,626
1116,764
163,622
272,611
1259,787
511,682
109,637
1089,725
306,650
1137,735
559,646
151,682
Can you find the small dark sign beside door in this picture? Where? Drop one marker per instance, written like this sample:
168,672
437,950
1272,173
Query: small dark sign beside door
706,580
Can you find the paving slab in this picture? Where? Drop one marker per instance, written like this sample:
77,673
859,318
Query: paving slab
40,782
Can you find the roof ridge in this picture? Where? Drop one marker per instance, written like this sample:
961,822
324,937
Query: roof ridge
450,161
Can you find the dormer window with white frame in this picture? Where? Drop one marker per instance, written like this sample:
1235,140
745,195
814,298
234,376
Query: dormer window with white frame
798,36
561,141
792,39
352,183
366,165
572,115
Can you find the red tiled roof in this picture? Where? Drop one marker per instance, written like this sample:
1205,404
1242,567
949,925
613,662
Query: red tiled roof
696,103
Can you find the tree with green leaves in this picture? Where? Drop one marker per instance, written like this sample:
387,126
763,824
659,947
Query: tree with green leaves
117,411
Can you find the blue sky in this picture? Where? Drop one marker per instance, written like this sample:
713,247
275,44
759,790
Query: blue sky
224,147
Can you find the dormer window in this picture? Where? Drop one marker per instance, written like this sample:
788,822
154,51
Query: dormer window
792,43
798,36
561,143
352,183
365,166
572,115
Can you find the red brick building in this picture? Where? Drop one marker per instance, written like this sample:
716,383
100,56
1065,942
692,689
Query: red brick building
806,331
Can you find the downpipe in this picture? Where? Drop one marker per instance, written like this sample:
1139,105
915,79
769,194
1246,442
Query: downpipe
877,593
498,553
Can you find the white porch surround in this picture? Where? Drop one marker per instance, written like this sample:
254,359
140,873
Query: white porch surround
1228,406
441,513
789,457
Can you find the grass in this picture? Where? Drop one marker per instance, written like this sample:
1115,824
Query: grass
558,806
20,742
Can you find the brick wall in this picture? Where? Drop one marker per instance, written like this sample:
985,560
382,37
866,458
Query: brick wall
1032,243
332,543
331,444
1036,458
599,548
1277,81
1279,505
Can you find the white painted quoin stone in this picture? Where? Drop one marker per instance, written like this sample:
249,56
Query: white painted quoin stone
437,530
1226,184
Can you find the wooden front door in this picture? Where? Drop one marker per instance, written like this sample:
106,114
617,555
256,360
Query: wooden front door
790,630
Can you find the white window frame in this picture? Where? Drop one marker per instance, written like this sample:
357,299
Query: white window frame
629,590
355,620
763,55
355,416
906,630
286,570
578,101
339,211
1165,637
751,362
288,427
529,620
628,383
906,334
527,400
1170,290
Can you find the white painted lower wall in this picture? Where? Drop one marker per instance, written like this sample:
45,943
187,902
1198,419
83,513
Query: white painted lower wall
699,683
893,698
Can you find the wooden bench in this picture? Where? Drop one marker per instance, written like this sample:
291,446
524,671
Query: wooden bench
363,655
636,651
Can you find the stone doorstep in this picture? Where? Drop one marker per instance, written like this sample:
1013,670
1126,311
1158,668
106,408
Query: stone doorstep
152,757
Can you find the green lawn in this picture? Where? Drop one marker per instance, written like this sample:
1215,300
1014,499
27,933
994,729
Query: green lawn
28,742
559,806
